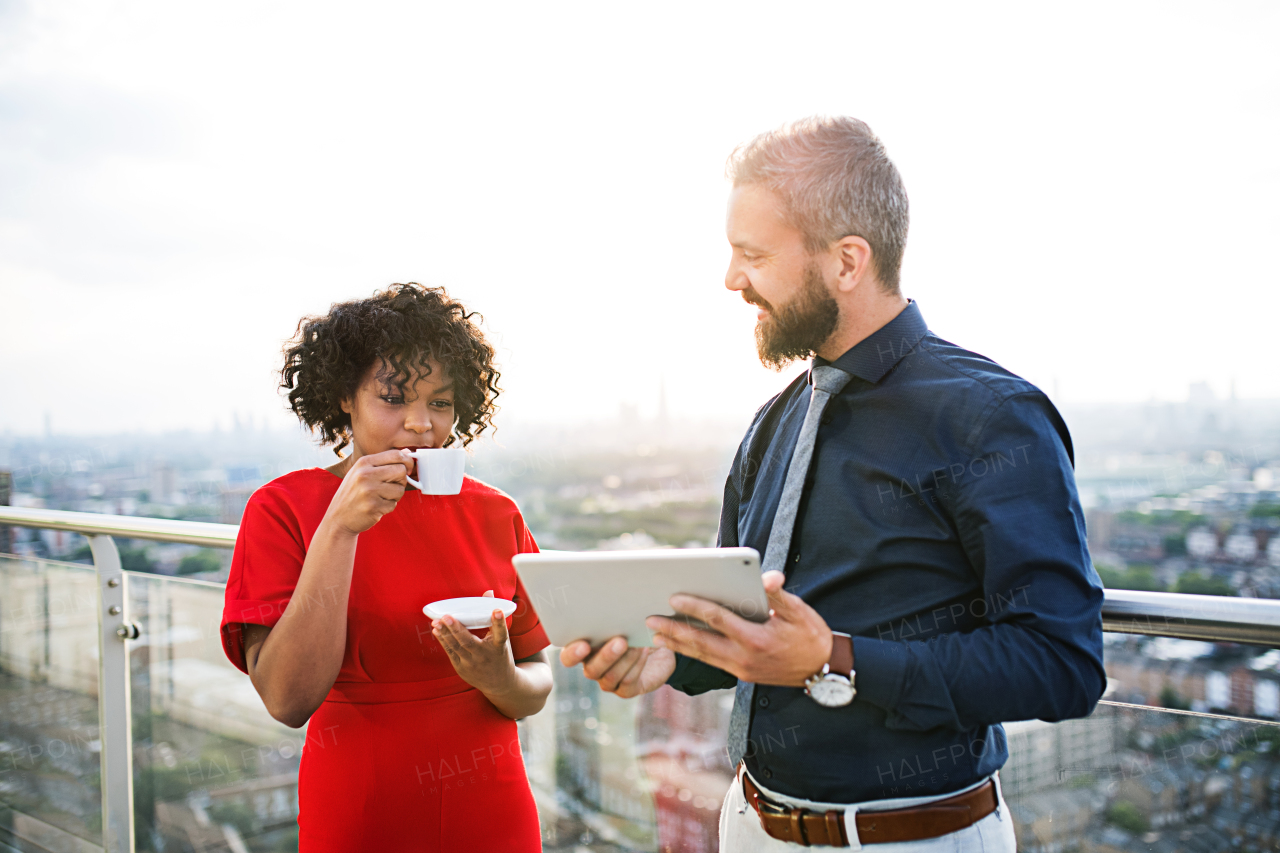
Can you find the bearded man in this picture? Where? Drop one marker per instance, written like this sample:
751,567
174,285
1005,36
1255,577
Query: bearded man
924,545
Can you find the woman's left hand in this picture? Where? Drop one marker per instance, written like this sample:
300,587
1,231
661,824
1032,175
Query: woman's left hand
485,664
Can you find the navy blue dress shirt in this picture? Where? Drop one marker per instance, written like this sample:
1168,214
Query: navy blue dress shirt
941,528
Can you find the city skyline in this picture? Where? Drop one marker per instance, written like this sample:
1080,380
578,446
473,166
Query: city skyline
1090,204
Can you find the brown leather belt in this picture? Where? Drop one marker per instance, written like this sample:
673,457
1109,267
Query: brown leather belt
915,823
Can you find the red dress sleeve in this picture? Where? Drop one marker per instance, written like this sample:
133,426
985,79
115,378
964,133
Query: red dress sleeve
265,566
527,635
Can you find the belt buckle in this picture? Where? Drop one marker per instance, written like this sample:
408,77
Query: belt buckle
772,808
796,831
797,834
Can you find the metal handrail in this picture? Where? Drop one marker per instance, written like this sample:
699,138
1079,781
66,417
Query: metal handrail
124,526
1213,618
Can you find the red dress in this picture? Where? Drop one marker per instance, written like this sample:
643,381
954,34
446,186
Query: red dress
403,754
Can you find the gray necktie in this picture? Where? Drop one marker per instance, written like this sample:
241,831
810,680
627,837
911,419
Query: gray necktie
827,381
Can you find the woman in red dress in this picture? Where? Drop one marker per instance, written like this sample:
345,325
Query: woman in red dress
411,736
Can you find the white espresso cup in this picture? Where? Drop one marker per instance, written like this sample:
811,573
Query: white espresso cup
439,470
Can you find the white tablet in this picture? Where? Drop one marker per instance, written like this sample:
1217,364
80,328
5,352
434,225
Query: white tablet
595,595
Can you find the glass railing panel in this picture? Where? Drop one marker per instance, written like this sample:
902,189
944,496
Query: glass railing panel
50,797
212,769
1222,678
611,774
650,774
1144,780
209,762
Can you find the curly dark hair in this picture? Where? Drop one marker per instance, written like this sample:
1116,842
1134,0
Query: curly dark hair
404,327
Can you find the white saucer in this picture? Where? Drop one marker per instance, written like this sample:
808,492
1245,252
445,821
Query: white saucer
474,612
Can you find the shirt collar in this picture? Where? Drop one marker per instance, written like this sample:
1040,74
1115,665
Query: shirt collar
873,356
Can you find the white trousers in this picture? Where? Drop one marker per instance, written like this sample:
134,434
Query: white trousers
741,832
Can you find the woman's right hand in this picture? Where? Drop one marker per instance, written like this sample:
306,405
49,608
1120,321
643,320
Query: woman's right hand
370,489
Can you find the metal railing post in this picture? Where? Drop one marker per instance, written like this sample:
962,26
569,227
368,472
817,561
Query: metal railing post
114,718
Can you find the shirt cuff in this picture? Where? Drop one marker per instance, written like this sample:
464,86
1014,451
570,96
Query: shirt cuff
694,677
879,666
681,672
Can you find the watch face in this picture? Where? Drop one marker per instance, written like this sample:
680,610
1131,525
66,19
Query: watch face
831,691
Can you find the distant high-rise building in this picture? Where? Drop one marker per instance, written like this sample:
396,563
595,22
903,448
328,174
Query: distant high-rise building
1200,394
6,535
164,482
1044,755
231,504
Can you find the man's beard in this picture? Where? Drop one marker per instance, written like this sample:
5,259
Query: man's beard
799,328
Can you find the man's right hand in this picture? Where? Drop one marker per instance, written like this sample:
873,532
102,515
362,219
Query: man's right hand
620,670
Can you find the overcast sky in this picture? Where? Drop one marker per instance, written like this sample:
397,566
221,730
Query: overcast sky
1093,188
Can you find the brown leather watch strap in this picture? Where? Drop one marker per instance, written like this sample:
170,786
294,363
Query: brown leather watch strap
841,661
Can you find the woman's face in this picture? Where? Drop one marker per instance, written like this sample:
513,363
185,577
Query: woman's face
385,418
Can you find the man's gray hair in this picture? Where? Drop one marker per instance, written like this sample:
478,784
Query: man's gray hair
836,180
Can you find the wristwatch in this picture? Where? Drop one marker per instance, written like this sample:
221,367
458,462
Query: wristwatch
832,686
